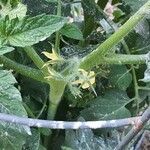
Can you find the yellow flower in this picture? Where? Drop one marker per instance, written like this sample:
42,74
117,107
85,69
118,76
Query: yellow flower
52,56
87,79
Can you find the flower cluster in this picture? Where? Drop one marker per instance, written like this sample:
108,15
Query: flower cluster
70,72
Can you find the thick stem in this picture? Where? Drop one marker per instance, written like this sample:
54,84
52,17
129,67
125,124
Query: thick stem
118,59
24,70
56,91
95,57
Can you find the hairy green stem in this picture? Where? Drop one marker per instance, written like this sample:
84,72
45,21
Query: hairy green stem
125,59
57,40
95,57
56,87
118,59
56,91
34,56
24,70
36,59
144,88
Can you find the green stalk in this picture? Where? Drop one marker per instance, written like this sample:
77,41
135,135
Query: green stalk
56,87
56,91
144,88
36,59
57,40
118,59
125,59
24,70
34,56
95,57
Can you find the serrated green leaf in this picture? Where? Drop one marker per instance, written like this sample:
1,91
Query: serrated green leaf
120,77
135,4
111,105
5,49
29,31
12,136
18,11
72,31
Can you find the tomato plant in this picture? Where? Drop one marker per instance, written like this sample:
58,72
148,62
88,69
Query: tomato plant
72,60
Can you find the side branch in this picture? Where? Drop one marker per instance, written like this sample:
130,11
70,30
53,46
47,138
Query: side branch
68,125
34,56
126,59
117,59
115,38
24,70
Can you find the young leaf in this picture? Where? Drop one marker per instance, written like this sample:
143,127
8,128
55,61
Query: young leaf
72,31
110,106
29,31
5,49
12,136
